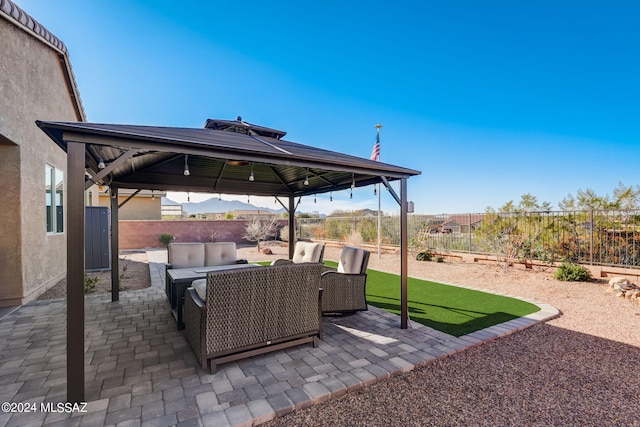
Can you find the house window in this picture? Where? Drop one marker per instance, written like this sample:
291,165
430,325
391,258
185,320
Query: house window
54,188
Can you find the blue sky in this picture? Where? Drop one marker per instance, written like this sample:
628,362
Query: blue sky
490,100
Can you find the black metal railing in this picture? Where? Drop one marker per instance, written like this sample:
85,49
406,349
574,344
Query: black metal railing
595,237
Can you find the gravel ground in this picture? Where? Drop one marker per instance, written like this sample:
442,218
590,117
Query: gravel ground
134,274
579,369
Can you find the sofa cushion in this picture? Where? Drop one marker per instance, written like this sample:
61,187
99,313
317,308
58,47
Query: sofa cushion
219,253
200,285
307,252
185,255
351,260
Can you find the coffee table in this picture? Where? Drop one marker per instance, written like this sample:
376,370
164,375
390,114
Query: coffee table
181,278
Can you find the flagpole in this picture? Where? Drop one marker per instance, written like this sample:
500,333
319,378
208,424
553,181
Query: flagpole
378,126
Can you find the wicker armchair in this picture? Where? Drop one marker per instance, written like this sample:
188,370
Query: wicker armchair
250,311
304,252
344,289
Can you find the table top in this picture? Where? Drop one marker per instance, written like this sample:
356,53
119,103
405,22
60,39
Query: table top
193,273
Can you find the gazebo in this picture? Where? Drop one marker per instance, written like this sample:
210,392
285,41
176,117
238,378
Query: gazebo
225,156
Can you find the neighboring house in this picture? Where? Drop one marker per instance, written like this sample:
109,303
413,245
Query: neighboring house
143,205
36,82
253,213
172,212
463,223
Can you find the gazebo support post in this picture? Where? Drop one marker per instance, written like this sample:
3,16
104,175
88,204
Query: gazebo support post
115,245
75,271
292,225
404,306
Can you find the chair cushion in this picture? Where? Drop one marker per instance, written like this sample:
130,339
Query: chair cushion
200,285
307,252
351,260
185,255
219,253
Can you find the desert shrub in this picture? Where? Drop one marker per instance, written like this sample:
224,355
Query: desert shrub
319,232
166,238
284,233
354,238
569,272
440,259
90,283
257,230
368,228
424,256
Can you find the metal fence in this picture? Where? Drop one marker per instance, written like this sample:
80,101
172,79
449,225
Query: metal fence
596,237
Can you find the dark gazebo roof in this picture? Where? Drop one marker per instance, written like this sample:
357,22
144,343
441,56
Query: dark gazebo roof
220,158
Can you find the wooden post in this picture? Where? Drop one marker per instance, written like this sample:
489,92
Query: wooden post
115,243
75,272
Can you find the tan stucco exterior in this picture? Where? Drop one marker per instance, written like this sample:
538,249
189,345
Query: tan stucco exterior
141,206
34,84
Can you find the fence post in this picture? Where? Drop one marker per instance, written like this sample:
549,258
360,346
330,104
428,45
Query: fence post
469,233
591,239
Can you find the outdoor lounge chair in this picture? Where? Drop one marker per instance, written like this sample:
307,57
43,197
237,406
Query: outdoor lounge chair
304,252
344,288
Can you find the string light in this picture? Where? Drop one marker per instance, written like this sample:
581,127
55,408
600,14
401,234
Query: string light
153,195
251,177
186,165
331,196
314,198
188,196
101,164
306,180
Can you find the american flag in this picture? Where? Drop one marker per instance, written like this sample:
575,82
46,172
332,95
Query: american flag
375,153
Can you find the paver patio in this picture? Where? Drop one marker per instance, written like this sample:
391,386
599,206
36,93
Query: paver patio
141,371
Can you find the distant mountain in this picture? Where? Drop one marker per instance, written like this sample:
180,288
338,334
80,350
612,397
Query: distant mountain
214,205
168,202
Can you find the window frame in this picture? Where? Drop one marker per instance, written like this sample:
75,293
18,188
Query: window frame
54,200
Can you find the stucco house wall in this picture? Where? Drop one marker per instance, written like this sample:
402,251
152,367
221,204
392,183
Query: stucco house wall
143,206
35,83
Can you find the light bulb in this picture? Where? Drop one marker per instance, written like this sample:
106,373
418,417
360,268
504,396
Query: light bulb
186,165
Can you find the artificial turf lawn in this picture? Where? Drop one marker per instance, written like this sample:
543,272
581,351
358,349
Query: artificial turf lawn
450,309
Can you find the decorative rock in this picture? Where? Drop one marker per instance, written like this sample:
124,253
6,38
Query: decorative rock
619,282
267,251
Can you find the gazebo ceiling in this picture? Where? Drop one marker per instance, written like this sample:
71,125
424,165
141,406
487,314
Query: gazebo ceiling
220,158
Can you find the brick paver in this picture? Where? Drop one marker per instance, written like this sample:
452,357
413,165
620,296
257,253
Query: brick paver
141,371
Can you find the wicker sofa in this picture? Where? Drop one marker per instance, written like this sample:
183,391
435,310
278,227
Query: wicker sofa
250,311
197,254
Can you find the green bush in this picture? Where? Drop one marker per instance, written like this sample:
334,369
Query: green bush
166,238
90,283
424,256
569,272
